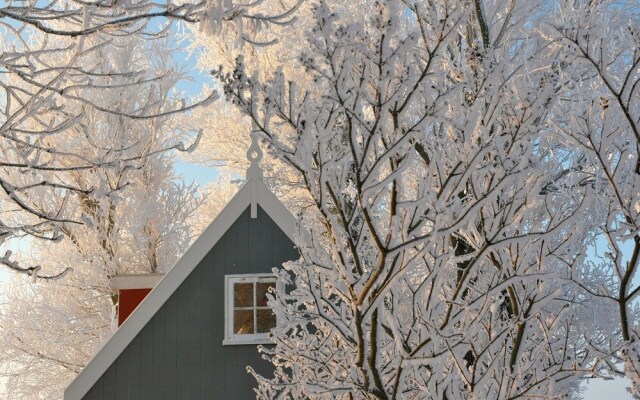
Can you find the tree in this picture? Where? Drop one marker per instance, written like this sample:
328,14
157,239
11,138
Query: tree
51,77
134,219
429,263
216,195
602,51
225,140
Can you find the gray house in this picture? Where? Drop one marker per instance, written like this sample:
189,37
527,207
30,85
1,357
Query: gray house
197,330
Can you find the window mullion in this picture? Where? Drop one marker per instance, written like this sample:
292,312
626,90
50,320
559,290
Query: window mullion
255,307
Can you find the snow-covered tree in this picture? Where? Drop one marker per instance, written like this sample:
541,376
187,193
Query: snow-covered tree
225,139
216,195
132,219
51,76
599,116
430,260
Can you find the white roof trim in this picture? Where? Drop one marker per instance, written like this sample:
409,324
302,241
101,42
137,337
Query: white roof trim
252,192
135,281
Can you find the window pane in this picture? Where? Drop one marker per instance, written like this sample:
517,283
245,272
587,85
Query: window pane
266,320
262,288
243,295
243,322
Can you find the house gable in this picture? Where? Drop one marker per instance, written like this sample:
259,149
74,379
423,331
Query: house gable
174,338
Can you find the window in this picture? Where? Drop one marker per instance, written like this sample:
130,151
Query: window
248,318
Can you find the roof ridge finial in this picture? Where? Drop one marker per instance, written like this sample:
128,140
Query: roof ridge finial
254,172
254,153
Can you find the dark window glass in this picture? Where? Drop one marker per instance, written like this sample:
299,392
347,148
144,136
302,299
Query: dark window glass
243,322
243,295
266,320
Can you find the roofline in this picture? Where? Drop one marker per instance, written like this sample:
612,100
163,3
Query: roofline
252,193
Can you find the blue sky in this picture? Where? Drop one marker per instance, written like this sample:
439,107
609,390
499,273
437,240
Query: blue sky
195,172
599,389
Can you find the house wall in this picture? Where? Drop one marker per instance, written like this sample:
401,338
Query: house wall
179,353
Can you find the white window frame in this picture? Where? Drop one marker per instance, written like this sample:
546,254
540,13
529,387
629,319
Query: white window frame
231,338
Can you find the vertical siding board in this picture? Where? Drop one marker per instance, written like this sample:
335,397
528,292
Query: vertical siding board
226,246
157,387
227,266
256,237
109,385
96,391
183,362
146,361
240,248
134,368
100,392
208,325
170,366
232,372
226,250
122,375
219,364
195,329
274,243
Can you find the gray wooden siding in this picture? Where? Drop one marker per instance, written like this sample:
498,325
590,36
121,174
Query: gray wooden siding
179,353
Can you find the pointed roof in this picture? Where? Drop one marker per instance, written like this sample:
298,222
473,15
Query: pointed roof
252,193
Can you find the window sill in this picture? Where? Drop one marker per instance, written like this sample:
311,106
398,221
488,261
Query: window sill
246,341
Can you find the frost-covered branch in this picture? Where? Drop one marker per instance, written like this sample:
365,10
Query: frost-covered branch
64,64
601,49
434,265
